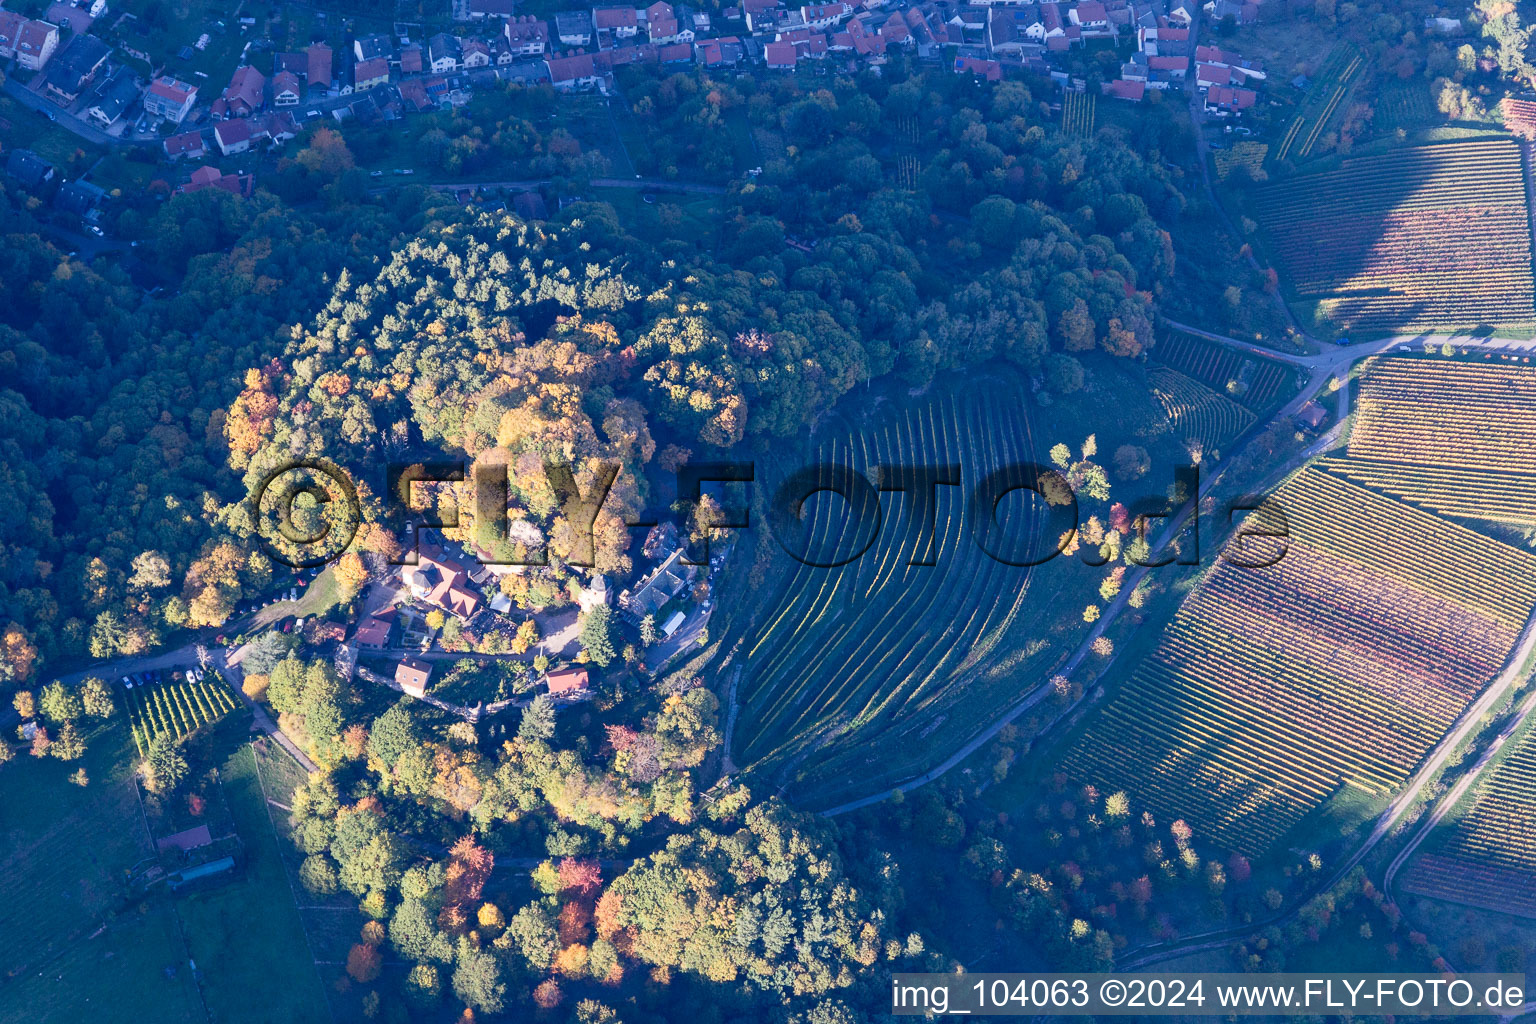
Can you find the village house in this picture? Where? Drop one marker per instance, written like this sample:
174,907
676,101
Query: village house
662,25
412,60
474,53
574,28
1124,90
526,36
567,682
615,23
413,675
1091,17
440,581
28,168
112,98
373,632
369,47
211,177
825,15
75,67
187,145
318,59
233,136
1223,99
575,71
780,56
443,52
668,580
35,43
990,70
170,99
244,94
370,74
287,90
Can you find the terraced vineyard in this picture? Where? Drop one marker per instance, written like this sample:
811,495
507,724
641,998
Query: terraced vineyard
1254,383
863,675
1198,412
1487,857
1422,433
1423,237
1329,87
1340,665
1077,113
1519,117
175,708
1247,154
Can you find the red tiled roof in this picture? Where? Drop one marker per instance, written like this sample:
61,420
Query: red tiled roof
370,70
1120,89
614,17
567,680
319,56
184,144
780,55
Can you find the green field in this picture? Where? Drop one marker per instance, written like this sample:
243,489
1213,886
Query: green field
247,936
76,944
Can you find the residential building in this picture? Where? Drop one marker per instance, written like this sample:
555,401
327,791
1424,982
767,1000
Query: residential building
28,168
35,43
662,25
443,52
369,47
80,198
412,60
1226,99
10,28
526,36
234,136
413,675
373,632
615,22
287,90
661,585
210,177
188,144
825,15
475,53
244,94
370,74
318,59
990,70
112,98
75,67
170,99
780,56
492,8
574,71
574,28
567,681
1123,90
440,581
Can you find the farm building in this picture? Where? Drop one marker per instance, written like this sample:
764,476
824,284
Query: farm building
191,839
